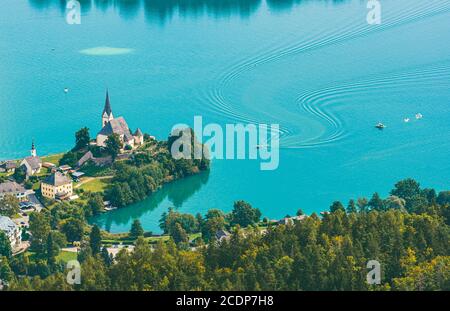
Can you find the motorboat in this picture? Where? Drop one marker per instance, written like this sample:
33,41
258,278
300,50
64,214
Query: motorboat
380,126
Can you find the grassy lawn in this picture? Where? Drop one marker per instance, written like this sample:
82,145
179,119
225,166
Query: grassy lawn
96,185
66,256
96,171
54,158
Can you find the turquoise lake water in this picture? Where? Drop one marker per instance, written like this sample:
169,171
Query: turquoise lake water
315,67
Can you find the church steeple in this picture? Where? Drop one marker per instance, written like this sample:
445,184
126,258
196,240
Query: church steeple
33,149
107,114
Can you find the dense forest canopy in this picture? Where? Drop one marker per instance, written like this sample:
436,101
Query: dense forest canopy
408,233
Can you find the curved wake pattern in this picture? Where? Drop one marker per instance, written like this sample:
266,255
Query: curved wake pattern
352,30
315,102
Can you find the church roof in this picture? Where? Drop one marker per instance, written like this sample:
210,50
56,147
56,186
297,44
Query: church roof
57,179
33,162
107,108
138,133
116,126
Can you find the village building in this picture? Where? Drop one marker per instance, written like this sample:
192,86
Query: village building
138,137
14,189
290,220
33,163
57,186
89,157
222,235
119,126
8,167
11,230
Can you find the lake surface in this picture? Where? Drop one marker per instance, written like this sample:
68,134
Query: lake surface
315,67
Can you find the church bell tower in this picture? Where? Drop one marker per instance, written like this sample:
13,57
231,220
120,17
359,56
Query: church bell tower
107,114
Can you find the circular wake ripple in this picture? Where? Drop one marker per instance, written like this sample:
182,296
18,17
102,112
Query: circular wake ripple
217,102
314,102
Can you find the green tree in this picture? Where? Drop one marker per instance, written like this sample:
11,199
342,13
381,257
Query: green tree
73,228
244,214
52,251
179,235
136,229
362,204
107,258
376,202
214,221
40,229
443,198
351,207
406,189
6,274
95,240
9,206
336,206
95,203
69,158
82,138
113,145
5,245
20,174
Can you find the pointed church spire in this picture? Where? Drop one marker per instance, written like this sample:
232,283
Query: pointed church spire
107,108
33,149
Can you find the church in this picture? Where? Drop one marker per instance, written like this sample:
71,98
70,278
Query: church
119,126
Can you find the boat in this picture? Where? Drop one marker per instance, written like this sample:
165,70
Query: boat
66,90
380,126
419,116
406,120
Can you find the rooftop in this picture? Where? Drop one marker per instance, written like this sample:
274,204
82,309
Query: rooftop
7,225
34,162
116,126
11,187
57,179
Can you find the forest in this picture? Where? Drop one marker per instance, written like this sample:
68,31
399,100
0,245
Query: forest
407,232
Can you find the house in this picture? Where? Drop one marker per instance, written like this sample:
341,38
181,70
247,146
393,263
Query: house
33,163
57,186
8,166
222,235
11,230
48,165
88,156
290,220
119,126
138,137
14,189
65,168
85,158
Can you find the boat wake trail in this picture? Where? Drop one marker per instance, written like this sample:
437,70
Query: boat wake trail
351,29
316,102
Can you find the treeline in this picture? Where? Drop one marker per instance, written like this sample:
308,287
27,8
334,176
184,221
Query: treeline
329,253
179,225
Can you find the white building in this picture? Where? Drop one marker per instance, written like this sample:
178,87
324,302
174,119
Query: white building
119,126
11,230
33,163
